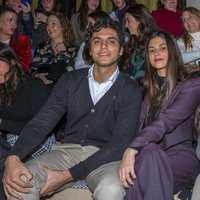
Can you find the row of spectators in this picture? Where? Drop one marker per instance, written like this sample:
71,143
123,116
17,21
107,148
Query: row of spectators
48,44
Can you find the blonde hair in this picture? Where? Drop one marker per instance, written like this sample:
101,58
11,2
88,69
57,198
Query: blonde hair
187,38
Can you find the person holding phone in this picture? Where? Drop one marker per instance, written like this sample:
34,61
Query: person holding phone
9,35
40,19
25,17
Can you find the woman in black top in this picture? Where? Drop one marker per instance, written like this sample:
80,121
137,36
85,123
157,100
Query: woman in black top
21,97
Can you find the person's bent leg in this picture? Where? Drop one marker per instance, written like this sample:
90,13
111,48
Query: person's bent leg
60,159
104,182
154,178
185,167
196,189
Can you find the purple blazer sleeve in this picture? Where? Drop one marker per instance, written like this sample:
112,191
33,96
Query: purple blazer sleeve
174,118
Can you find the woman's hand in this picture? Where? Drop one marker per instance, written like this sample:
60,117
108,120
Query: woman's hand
59,47
126,170
43,76
17,7
38,19
25,9
42,17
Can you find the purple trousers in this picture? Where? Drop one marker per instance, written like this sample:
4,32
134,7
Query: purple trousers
161,174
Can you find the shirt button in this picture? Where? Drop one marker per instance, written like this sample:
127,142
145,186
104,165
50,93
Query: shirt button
86,126
92,110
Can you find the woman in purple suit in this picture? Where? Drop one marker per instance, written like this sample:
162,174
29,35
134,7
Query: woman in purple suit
160,161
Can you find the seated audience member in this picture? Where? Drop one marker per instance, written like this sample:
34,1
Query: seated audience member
9,35
91,19
25,17
57,54
21,97
168,16
40,19
79,19
120,6
161,160
100,125
189,44
140,24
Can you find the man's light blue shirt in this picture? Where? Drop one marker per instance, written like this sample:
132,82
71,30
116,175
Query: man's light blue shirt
97,90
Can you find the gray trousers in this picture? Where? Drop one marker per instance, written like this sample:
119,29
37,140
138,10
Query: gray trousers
103,182
196,189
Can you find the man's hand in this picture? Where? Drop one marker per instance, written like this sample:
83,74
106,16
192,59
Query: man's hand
126,170
55,179
16,177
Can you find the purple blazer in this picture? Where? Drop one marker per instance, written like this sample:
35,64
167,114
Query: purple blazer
173,125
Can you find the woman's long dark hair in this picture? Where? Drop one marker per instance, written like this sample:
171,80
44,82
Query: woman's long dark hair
146,25
83,12
175,72
14,75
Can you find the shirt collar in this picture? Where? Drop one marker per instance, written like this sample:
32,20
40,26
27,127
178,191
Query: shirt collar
112,78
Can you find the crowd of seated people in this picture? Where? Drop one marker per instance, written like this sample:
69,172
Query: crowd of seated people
47,45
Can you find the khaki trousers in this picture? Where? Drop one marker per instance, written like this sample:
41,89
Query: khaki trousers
103,181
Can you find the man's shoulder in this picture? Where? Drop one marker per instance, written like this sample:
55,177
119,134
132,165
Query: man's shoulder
76,75
127,86
127,80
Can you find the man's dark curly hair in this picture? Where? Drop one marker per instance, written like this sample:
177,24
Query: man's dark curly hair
108,23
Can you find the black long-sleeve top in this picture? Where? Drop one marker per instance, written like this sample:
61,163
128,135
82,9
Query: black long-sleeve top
29,98
110,124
